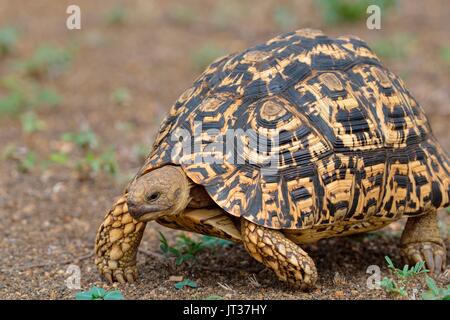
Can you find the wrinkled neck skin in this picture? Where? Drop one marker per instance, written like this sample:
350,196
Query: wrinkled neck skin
161,192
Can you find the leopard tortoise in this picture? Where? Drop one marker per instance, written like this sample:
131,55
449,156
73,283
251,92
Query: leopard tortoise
353,152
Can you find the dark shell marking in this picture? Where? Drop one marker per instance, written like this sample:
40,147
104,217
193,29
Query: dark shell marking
354,145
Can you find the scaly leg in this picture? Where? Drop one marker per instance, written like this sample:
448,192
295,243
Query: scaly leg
270,247
117,243
421,242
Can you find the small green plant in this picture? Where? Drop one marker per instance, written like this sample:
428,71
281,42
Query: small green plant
391,286
434,292
205,55
85,139
47,60
96,293
181,254
92,161
185,283
116,16
31,123
94,164
406,272
8,39
347,11
121,96
187,248
398,286
284,18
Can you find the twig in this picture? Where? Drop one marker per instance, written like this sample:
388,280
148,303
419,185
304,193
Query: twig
226,287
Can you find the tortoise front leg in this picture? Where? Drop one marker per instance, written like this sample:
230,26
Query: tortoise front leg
270,247
117,243
421,241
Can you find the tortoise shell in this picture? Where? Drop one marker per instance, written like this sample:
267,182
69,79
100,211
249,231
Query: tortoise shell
346,139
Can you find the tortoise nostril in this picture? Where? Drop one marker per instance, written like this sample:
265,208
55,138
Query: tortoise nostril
132,207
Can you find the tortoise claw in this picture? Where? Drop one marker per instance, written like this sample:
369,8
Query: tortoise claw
108,277
433,254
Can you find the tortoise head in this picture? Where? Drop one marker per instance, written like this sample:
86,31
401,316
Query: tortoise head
158,193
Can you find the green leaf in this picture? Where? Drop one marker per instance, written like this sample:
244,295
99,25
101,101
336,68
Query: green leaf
405,271
84,296
113,295
98,292
389,262
432,285
185,283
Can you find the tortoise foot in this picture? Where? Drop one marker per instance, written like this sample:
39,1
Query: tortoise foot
432,253
117,244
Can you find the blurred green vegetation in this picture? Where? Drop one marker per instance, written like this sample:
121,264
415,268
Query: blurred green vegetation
397,46
25,159
141,151
9,37
21,94
46,60
121,96
31,123
182,14
206,54
284,18
84,139
347,11
445,55
93,160
227,14
116,16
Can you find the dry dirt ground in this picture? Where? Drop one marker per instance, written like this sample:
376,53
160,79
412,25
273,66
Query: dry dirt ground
48,214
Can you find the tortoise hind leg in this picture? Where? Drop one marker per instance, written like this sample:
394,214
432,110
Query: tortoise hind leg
270,247
421,242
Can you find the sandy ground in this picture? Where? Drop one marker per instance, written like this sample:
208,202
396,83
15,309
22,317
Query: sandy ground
50,215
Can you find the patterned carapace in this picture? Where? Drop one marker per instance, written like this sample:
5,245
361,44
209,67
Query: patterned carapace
352,144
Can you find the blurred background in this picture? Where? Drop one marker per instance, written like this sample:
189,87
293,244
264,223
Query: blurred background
79,110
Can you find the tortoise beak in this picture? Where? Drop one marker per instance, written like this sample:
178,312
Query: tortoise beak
137,211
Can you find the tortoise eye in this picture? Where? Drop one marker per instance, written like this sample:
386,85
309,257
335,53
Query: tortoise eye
153,196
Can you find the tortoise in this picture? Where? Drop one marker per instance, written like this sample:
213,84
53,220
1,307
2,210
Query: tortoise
347,150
